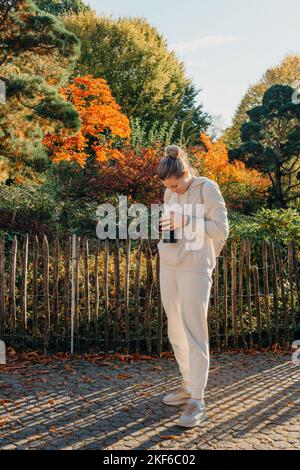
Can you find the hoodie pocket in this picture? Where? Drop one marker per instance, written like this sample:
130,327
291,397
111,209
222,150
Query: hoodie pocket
168,253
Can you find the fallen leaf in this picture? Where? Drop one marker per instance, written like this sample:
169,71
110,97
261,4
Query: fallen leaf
5,402
124,376
10,351
5,386
126,408
168,436
3,422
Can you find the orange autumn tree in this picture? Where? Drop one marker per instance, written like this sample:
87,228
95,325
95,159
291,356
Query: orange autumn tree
104,127
104,161
238,182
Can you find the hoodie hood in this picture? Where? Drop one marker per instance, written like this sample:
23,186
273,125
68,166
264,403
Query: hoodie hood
197,184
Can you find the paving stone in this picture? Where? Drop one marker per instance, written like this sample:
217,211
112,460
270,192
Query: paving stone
82,410
8,447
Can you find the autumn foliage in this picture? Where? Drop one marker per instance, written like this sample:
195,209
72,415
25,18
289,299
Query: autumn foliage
104,138
212,161
215,164
135,175
103,124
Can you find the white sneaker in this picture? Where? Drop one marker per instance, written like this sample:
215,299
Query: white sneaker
180,396
194,413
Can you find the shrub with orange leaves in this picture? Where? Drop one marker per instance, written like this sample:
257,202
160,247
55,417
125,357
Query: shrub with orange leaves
237,181
104,126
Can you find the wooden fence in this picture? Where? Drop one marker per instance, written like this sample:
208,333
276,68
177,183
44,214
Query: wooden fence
90,294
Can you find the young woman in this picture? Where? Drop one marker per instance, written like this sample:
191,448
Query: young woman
186,276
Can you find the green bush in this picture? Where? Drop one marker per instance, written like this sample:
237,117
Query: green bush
42,209
269,224
27,208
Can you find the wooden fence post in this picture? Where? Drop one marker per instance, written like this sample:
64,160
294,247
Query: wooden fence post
240,293
216,305
266,290
233,293
159,309
283,296
24,284
35,290
55,301
275,290
291,284
126,292
73,293
225,293
2,287
13,308
117,292
137,295
148,294
46,293
257,304
67,256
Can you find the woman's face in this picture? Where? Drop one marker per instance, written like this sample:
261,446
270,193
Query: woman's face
177,185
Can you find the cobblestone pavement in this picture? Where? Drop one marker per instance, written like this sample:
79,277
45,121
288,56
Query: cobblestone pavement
253,402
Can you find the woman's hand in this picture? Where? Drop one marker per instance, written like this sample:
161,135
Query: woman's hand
173,220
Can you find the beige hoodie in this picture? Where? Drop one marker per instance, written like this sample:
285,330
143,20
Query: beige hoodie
202,190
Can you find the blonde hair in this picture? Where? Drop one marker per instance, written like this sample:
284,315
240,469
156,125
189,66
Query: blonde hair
174,163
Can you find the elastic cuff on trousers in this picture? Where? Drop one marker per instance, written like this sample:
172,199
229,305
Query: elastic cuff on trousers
197,395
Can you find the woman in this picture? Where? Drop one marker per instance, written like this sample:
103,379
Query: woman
186,276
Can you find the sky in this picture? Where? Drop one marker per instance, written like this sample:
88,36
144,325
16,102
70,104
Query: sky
226,45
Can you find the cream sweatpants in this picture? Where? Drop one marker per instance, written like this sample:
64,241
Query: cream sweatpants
185,298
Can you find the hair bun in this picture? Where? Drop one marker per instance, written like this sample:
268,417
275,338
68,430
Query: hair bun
172,151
